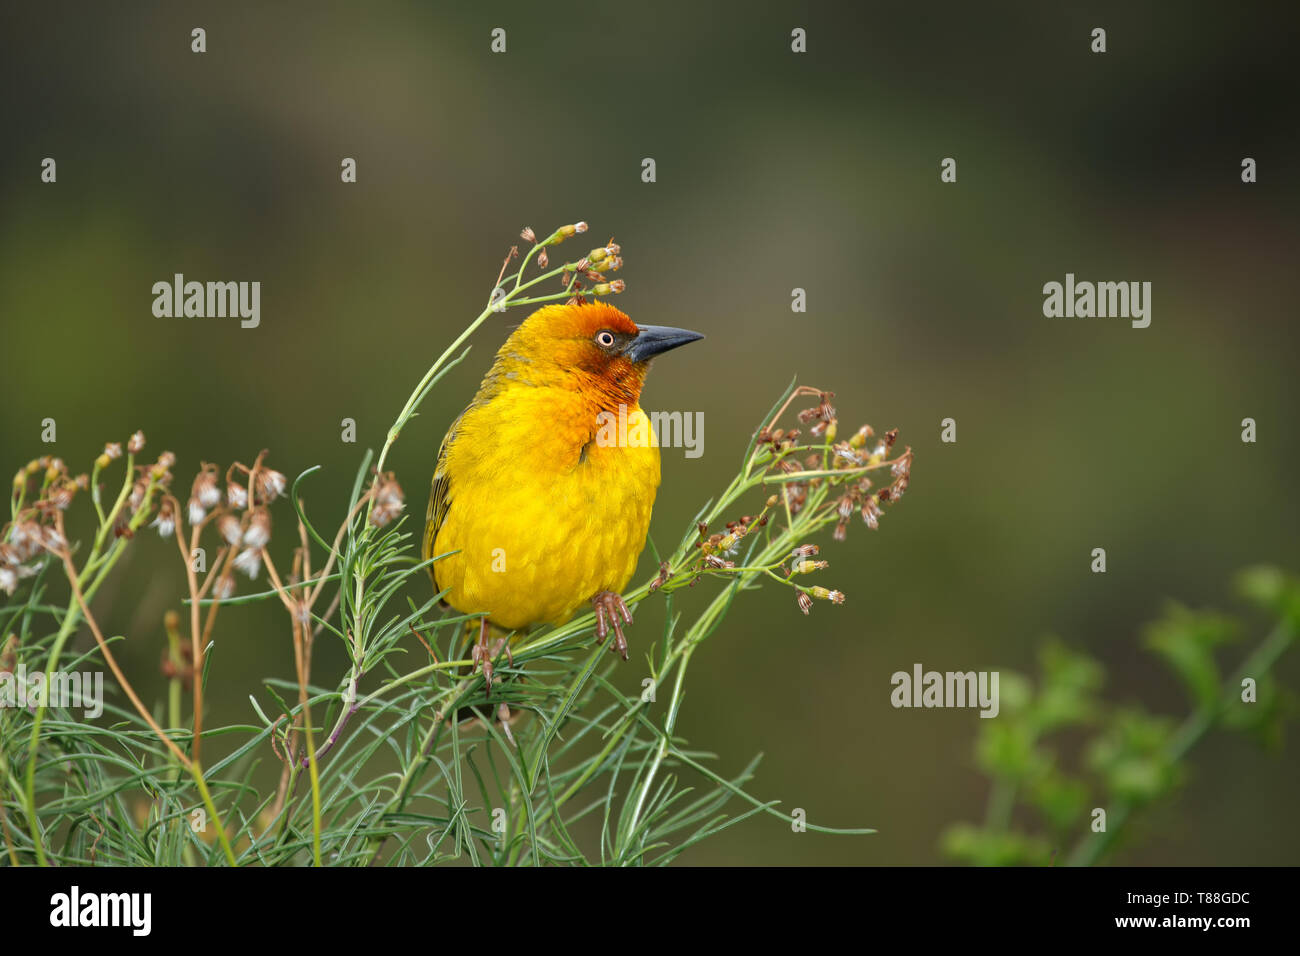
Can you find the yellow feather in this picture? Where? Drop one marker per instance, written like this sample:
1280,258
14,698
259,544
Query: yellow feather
541,515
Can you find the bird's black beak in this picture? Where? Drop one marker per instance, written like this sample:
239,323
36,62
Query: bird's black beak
652,340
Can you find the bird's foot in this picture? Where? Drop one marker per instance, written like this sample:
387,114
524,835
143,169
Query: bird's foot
483,653
609,607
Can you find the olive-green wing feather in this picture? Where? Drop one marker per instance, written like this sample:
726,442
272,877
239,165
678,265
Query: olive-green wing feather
439,500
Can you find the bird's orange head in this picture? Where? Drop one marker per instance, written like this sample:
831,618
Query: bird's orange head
592,347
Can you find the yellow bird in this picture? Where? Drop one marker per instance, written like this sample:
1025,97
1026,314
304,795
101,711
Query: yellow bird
541,490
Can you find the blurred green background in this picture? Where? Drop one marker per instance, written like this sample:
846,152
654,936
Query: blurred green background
775,171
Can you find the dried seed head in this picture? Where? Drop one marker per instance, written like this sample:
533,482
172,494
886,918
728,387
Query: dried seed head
258,532
165,521
542,259
204,493
249,561
225,586
135,444
113,450
844,452
137,494
236,496
805,602
24,539
665,572
51,540
389,500
9,654
229,529
270,484
528,235
60,495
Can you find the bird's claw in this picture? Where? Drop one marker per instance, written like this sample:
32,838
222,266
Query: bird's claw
609,607
484,654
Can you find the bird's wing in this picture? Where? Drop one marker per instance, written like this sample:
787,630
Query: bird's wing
439,499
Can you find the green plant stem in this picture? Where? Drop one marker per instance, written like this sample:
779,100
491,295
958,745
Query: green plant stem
197,773
70,619
1092,846
417,395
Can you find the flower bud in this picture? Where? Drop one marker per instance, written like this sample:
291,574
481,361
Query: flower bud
824,594
807,567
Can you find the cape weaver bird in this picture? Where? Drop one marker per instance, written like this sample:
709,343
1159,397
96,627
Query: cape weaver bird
544,513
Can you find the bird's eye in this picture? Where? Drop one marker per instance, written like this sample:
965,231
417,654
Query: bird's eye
605,339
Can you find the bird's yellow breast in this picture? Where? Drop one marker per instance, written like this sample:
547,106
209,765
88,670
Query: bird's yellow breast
543,509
